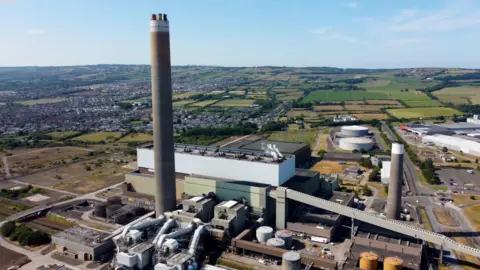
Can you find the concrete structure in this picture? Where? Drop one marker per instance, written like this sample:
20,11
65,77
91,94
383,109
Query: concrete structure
301,151
385,172
83,243
199,207
356,143
394,200
256,167
162,114
229,216
354,131
454,143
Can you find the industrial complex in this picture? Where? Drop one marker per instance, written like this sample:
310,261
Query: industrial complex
185,207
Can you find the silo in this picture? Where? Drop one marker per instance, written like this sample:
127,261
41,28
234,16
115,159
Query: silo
276,242
392,263
264,233
100,210
111,209
368,261
356,143
286,236
291,261
114,200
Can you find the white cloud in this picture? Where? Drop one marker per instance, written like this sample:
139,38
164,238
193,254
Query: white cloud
352,4
329,34
35,32
405,41
452,17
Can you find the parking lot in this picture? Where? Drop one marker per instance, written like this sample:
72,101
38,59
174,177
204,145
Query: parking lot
463,182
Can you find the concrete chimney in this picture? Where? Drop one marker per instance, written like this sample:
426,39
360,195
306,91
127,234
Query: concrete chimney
394,200
164,156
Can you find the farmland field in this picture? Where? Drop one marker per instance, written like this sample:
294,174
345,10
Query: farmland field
301,135
285,90
408,96
308,114
423,112
370,116
328,108
383,102
423,103
182,103
202,103
63,134
185,95
459,95
372,108
42,101
378,83
234,103
98,136
330,95
137,137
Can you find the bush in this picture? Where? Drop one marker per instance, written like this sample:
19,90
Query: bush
473,197
8,228
87,167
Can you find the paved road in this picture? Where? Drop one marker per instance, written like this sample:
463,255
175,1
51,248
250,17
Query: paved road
410,173
5,164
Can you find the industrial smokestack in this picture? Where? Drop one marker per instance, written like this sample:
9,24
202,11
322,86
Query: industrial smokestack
394,201
164,163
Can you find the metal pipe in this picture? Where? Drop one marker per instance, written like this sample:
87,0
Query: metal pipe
175,234
196,240
164,158
167,226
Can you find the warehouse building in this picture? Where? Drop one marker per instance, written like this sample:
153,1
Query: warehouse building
443,129
385,172
82,243
454,143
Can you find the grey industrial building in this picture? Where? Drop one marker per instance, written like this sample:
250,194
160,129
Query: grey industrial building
301,151
443,129
83,243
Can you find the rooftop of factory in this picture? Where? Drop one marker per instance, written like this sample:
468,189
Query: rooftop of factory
229,153
341,198
284,147
230,204
388,239
302,176
83,235
142,247
304,211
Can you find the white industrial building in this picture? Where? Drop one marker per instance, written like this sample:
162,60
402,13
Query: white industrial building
269,167
454,143
474,120
385,172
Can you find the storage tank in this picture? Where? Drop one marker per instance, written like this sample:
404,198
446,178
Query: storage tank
100,210
392,263
354,131
264,233
368,261
291,261
114,200
276,242
111,209
286,236
356,143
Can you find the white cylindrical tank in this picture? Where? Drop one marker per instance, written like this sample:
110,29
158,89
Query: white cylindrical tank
291,261
276,242
264,233
286,236
356,143
354,131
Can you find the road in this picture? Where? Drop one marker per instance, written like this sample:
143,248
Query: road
410,173
45,187
236,140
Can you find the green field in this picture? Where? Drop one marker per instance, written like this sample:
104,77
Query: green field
41,101
405,96
234,103
137,137
98,136
330,95
423,103
182,103
63,134
185,94
423,112
285,90
202,103
459,95
300,135
136,100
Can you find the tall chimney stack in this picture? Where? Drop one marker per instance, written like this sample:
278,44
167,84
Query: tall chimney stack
394,200
164,158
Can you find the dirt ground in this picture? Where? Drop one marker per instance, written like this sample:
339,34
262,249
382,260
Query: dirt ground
10,258
444,217
83,177
327,167
43,158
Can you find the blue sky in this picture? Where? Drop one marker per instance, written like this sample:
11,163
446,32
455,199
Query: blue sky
361,33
